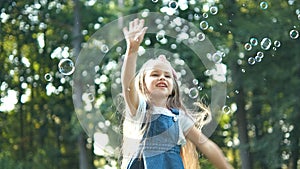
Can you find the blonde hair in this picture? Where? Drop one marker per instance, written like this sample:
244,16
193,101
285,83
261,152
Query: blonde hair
188,152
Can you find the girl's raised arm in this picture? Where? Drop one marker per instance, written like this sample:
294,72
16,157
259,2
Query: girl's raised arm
134,35
208,148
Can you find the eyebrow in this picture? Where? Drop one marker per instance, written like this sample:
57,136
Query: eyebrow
156,71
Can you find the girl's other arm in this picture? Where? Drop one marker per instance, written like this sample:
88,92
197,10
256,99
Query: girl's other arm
208,148
134,35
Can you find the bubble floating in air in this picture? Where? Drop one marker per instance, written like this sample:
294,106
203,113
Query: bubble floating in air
104,48
195,81
203,25
226,109
213,10
251,60
257,58
253,41
48,77
66,66
294,34
154,1
260,54
217,57
265,43
263,5
193,93
173,4
277,43
248,46
205,15
201,36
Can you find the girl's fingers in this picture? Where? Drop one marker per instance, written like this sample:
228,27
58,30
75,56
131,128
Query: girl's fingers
125,31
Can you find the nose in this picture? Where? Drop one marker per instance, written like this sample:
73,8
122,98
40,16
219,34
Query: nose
162,77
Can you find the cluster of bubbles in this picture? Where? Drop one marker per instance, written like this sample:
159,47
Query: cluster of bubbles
213,10
65,66
194,91
265,44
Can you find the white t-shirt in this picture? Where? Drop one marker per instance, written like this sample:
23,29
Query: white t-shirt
185,120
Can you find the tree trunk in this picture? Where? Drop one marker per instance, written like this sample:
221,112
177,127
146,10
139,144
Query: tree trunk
241,116
76,42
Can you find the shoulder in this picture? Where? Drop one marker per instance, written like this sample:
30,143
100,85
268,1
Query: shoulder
186,121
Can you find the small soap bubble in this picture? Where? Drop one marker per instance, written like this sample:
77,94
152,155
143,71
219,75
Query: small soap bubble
294,34
226,109
104,48
173,4
160,36
205,15
277,43
66,66
253,41
213,10
193,93
48,77
195,81
248,46
257,59
201,36
251,60
203,25
154,1
260,54
263,5
265,43
217,57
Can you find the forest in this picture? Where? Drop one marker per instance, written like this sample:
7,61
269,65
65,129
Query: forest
60,92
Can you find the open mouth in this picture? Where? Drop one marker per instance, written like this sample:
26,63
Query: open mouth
161,84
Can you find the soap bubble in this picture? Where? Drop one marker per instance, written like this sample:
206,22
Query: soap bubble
251,60
263,5
201,36
104,48
260,54
203,25
173,4
247,46
193,93
294,34
265,43
226,109
66,66
195,82
277,43
257,58
253,41
48,77
213,10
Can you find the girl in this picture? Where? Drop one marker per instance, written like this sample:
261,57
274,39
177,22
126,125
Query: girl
158,133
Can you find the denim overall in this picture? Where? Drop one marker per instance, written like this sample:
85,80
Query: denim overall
159,149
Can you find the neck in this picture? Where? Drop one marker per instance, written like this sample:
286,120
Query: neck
159,102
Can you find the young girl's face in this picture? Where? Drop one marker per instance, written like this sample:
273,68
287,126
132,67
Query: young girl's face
159,80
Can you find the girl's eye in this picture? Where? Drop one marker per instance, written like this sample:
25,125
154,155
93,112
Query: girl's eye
154,75
168,76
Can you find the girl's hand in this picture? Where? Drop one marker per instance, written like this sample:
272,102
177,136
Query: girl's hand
134,35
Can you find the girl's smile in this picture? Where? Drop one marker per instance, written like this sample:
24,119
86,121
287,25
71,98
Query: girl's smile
159,80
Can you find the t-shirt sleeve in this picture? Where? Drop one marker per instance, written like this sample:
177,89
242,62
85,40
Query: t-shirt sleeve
186,121
140,112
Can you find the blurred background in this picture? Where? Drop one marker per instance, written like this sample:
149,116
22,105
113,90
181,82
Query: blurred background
257,44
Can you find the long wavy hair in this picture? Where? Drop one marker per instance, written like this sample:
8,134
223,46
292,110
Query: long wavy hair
188,152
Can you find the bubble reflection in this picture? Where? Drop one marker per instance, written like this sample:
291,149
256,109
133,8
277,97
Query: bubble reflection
66,66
